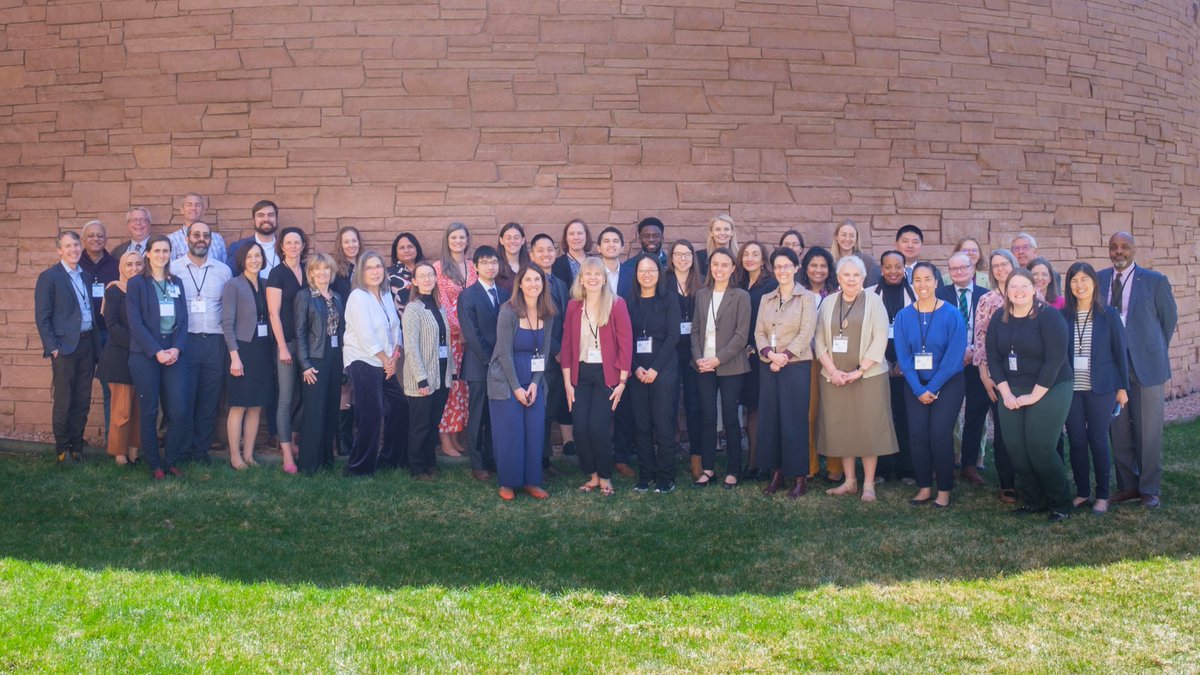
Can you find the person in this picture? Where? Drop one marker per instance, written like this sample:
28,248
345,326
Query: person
204,282
896,293
1027,345
794,240
123,436
1146,304
930,341
347,244
815,276
478,311
542,255
721,234
964,294
406,253
783,335
1025,248
455,272
103,268
370,353
265,218
244,323
654,320
597,352
319,333
137,221
974,251
846,242
683,280
909,241
1002,263
1098,357
283,283
428,369
719,347
513,254
158,338
650,239
515,385
67,325
576,245
192,210
816,272
754,280
1045,281
852,328
610,245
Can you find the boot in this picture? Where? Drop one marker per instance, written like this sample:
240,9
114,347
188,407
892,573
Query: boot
345,432
697,467
775,484
800,488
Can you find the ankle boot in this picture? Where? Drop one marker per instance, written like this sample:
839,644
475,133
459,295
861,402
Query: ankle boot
345,432
775,484
697,467
800,488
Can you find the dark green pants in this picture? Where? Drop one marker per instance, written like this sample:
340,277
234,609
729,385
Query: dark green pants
1031,434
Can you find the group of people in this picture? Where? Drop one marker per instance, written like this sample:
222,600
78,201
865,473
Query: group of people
812,352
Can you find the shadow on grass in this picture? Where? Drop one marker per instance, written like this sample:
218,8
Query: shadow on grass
391,531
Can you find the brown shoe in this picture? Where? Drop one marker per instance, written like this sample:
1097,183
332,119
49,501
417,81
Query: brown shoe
481,476
536,492
800,489
697,466
1151,501
1008,496
623,470
776,483
1124,496
971,475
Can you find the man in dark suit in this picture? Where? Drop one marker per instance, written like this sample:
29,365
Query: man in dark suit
138,222
66,323
611,243
910,239
542,253
478,311
1147,307
964,294
650,237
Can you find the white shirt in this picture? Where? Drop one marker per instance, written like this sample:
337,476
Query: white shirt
179,245
372,326
138,247
270,257
614,277
710,325
82,296
204,282
487,290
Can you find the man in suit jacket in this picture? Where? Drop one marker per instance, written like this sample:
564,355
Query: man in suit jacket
266,222
1147,307
542,253
964,294
66,323
910,239
478,311
138,222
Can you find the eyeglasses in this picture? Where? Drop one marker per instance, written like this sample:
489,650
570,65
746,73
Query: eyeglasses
960,268
681,254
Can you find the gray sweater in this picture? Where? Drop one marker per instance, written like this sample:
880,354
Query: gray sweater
502,372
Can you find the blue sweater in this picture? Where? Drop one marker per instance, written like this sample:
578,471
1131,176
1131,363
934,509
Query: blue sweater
945,338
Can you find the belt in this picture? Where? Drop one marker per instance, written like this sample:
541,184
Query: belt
206,334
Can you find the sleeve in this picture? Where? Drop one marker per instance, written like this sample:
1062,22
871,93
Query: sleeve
474,341
802,343
414,362
1053,329
229,304
953,326
114,315
741,327
821,337
697,334
568,356
506,328
300,305
43,313
904,352
983,318
1120,347
762,341
358,314
666,352
1165,309
877,319
138,335
998,367
618,318
181,318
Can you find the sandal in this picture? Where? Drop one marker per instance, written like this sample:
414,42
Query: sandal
845,489
704,480
121,460
868,494
589,487
729,485
607,490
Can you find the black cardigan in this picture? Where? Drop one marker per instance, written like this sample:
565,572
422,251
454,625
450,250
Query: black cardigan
114,358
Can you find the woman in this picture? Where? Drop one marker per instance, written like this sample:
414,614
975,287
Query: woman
751,278
1001,263
347,244
783,334
1045,283
974,251
247,336
513,254
428,369
1098,350
845,243
719,349
851,341
816,272
123,434
406,253
720,235
597,350
931,340
1027,345
455,272
682,282
370,352
815,276
896,293
794,240
654,318
320,331
576,245
283,283
516,387
157,314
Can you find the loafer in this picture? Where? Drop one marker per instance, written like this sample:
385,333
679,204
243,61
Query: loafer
799,489
1057,516
536,492
1124,496
1151,501
482,476
971,475
623,470
920,502
569,448
775,484
1024,511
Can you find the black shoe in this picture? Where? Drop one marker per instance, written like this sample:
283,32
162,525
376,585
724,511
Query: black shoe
77,457
642,486
920,502
1025,510
569,448
1057,516
665,489
703,481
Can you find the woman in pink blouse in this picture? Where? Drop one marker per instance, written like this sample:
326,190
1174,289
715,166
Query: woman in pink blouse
455,271
1002,263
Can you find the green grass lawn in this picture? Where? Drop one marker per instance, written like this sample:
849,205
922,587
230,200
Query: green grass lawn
102,570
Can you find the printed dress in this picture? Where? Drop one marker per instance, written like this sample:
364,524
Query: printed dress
454,418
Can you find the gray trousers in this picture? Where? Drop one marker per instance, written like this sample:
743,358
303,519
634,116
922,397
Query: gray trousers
1137,438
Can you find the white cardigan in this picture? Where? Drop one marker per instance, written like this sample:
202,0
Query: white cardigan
872,345
372,327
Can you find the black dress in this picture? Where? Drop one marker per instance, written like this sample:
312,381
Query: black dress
255,387
114,358
766,284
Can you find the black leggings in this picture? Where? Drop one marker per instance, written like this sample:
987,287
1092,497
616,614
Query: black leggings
593,415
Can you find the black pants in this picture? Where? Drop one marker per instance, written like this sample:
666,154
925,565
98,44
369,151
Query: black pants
622,432
593,421
71,384
555,396
931,433
655,435
424,413
378,404
693,419
729,386
320,405
783,419
1088,422
479,427
153,382
899,465
1004,467
974,417
204,361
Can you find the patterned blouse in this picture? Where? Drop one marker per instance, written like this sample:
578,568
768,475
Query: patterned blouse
331,312
400,279
988,304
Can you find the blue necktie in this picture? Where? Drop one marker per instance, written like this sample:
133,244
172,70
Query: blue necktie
495,298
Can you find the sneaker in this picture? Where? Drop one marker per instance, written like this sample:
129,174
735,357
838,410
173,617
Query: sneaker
569,448
665,489
642,486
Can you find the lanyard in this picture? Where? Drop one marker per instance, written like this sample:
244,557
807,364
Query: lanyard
591,327
842,316
386,317
164,287
537,336
80,292
925,327
1012,344
203,279
1080,330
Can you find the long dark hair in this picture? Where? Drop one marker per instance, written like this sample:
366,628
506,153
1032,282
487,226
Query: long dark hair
693,276
1052,291
743,276
545,305
635,289
341,262
396,244
1072,303
721,250
830,284
522,255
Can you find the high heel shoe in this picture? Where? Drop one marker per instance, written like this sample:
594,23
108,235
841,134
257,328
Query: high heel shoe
704,480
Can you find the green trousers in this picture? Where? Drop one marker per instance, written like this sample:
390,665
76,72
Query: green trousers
1031,434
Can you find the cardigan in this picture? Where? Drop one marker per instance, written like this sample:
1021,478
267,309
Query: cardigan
616,342
733,329
1108,364
502,371
945,338
872,345
239,315
793,324
114,357
421,345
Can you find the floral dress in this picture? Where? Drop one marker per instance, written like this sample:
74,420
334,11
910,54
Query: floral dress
454,417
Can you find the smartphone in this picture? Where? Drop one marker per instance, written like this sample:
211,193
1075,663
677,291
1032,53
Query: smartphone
1117,410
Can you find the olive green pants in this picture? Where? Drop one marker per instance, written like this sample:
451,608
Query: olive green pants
1031,434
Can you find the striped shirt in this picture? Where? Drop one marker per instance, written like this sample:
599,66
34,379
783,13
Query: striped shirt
1083,347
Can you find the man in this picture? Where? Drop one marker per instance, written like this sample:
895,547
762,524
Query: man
1147,307
203,281
611,243
265,215
964,294
192,211
104,270
65,321
478,311
138,222
1025,248
909,241
650,237
542,253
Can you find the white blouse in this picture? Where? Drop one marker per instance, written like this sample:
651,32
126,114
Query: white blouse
372,326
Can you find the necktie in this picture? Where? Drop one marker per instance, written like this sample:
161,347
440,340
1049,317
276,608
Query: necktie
137,248
495,298
908,274
963,307
1118,289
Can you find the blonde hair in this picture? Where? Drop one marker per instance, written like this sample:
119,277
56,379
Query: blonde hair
733,242
315,262
857,237
606,294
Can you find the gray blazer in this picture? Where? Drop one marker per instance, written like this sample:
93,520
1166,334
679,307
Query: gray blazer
733,329
502,372
239,316
1150,321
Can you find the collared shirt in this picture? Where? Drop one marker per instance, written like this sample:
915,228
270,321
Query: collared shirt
206,283
139,247
970,289
1126,278
82,297
179,245
492,293
614,278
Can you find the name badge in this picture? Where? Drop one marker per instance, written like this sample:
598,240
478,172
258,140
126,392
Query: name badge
891,331
537,364
173,291
262,330
443,351
1012,363
774,344
841,344
645,345
333,341
166,309
593,356
685,327
199,306
97,290
923,361
1083,362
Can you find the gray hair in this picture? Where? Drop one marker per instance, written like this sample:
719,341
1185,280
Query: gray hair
94,222
853,261
1026,235
1007,255
143,210
959,254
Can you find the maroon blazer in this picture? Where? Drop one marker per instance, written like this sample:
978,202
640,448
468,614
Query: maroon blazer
616,342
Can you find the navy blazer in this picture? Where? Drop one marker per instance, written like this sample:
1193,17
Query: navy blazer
478,318
1150,322
56,310
1109,367
141,308
560,293
949,295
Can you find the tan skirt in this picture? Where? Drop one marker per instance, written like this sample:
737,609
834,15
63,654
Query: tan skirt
856,420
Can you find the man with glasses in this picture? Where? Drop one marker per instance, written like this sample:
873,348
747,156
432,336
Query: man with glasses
138,222
964,294
192,209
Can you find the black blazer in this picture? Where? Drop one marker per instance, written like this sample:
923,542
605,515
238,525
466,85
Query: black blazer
656,318
56,310
560,294
312,317
1109,366
114,358
141,310
478,317
561,270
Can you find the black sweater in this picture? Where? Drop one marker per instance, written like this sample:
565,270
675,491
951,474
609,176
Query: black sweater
656,318
1040,342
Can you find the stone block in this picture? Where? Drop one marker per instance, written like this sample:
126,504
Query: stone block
172,118
355,202
152,156
317,77
1097,194
90,115
101,197
223,91
657,99
262,117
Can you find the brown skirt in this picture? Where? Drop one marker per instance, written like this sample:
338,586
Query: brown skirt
856,420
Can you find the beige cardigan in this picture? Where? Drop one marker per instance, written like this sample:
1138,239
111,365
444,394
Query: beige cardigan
873,344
